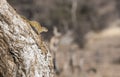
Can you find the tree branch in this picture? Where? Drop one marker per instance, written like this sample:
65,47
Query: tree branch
22,52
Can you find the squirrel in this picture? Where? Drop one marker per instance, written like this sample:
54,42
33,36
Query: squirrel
36,26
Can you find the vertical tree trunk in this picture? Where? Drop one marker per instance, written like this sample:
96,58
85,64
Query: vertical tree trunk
73,12
22,52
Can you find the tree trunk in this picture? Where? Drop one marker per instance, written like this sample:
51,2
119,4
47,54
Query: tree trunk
73,12
22,52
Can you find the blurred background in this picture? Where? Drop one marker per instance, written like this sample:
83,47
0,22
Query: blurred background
83,36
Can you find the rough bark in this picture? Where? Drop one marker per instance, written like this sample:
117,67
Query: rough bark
22,52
